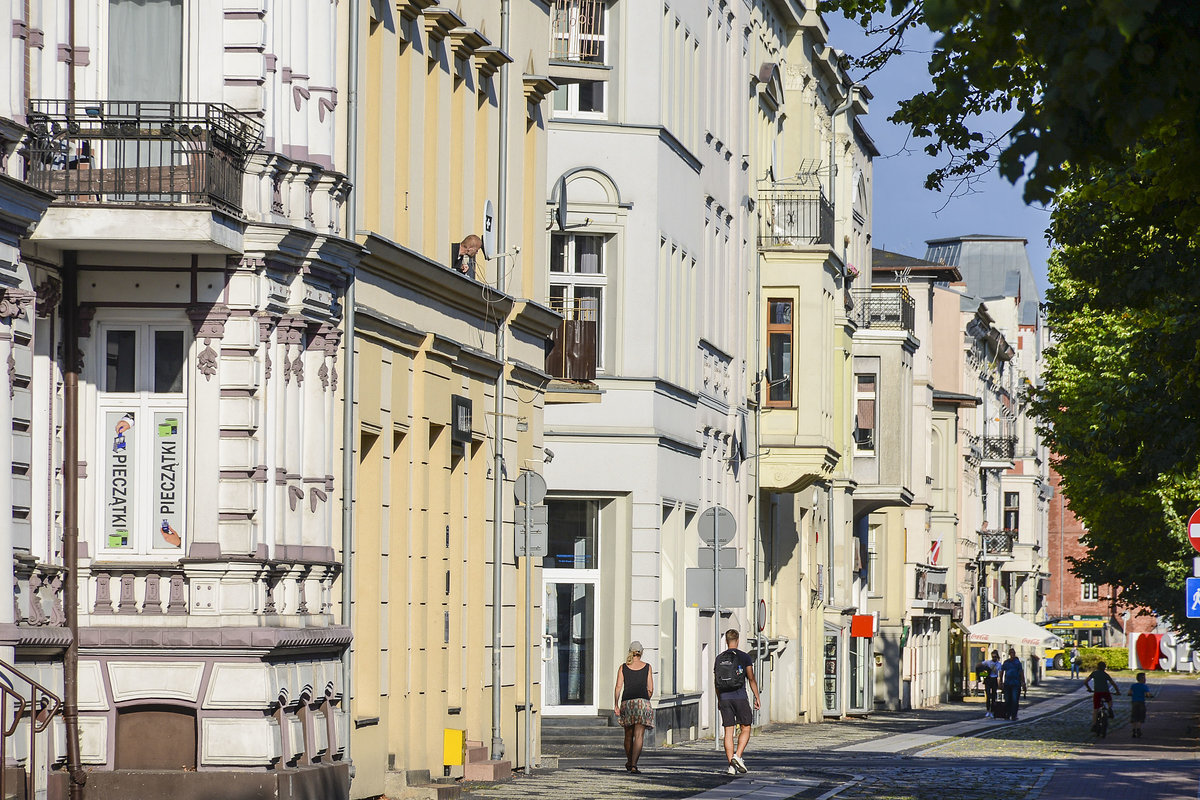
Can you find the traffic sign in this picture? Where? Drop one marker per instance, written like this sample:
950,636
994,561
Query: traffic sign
717,523
698,588
530,488
1192,600
728,557
1193,529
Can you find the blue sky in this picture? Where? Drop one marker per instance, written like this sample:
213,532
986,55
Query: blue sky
906,213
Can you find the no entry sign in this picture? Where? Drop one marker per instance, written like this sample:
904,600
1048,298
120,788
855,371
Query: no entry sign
1194,529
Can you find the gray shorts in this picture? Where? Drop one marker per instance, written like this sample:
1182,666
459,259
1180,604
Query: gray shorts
735,710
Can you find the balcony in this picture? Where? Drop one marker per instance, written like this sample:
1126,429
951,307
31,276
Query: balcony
577,31
573,347
884,309
996,545
999,448
140,153
793,216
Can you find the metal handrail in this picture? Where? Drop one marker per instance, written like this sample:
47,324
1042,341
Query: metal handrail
41,713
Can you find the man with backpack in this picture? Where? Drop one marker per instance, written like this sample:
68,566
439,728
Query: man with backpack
732,669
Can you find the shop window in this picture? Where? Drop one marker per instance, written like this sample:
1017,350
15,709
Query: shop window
574,527
779,354
142,423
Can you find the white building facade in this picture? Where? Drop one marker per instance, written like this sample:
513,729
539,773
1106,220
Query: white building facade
187,279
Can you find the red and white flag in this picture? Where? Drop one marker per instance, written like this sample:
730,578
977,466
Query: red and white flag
935,550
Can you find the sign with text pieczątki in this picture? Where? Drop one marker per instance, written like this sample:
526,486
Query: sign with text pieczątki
1193,529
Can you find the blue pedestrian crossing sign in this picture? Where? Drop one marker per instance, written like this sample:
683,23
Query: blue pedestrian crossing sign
1193,598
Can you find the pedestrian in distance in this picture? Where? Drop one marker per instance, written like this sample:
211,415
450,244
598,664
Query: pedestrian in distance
1076,661
1012,682
1138,693
631,702
732,671
990,684
1098,683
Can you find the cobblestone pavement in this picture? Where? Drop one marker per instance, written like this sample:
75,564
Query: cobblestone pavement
955,755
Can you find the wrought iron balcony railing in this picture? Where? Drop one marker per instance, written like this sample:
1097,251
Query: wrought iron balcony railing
140,152
996,544
885,308
574,346
999,448
791,216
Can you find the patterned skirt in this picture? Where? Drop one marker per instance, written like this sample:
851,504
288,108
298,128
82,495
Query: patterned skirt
636,712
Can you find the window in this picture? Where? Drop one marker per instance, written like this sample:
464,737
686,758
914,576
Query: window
578,281
864,422
779,353
574,529
578,35
142,408
1091,592
1012,511
873,560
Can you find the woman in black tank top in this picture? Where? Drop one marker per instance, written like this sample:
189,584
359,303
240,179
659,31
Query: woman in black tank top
631,702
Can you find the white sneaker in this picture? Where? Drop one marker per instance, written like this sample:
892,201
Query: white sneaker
737,762
731,770
989,715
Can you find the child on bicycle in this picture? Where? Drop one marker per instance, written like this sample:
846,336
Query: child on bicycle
1098,684
1137,704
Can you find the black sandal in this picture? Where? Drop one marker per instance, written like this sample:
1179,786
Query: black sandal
629,766
635,770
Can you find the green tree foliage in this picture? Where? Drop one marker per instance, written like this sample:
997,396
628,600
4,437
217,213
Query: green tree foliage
1120,400
1082,80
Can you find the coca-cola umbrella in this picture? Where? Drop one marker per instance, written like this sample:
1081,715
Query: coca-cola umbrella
1013,629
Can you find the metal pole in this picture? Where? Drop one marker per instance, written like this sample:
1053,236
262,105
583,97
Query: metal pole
716,548
528,640
498,466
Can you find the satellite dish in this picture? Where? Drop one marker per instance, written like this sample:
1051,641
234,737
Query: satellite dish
560,211
489,230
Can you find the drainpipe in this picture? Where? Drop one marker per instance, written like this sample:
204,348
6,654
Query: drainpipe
70,547
348,377
498,466
837,112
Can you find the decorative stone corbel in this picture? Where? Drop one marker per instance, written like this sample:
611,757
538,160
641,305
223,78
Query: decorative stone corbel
208,323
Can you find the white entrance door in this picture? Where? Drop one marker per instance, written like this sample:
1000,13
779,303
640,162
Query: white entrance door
569,686
570,590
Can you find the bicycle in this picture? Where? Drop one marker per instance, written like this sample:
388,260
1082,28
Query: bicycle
1103,713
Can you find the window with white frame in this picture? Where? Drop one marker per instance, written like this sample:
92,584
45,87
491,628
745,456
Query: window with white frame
578,279
142,434
1090,592
579,36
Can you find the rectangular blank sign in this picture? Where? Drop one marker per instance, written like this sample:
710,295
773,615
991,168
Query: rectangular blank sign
698,588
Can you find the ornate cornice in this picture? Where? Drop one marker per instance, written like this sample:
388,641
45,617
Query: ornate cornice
14,303
208,322
465,41
411,9
489,59
439,21
537,87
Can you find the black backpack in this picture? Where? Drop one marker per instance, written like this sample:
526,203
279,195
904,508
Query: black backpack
727,672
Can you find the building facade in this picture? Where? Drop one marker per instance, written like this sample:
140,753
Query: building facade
175,352
440,335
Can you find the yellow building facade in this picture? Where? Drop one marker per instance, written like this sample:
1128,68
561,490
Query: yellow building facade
428,366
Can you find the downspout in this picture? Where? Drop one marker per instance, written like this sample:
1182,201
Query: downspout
70,546
837,112
348,377
498,466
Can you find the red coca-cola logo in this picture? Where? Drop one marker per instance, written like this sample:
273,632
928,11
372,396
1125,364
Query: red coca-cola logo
1147,649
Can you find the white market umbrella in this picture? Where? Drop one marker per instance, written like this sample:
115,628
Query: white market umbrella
1012,629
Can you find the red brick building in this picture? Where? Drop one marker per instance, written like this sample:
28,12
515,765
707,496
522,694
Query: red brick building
1068,596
